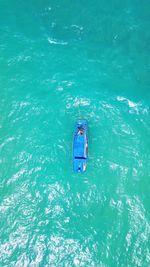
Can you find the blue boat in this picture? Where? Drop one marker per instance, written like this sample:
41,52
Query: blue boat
80,146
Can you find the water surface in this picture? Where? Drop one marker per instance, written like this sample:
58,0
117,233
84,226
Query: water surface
61,60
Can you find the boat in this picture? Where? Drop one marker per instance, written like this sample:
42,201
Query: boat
80,146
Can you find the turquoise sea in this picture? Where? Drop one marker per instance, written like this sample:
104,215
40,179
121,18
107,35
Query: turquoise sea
61,60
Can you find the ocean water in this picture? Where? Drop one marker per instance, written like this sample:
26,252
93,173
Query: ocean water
61,60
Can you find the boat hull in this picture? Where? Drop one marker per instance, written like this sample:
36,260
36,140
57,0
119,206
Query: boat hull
80,146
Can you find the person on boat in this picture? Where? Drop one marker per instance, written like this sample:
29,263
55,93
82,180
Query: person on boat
80,131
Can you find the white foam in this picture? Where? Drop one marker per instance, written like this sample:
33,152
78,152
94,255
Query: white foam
130,103
81,101
56,42
77,27
8,140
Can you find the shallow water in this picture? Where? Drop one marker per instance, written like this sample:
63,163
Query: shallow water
61,61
